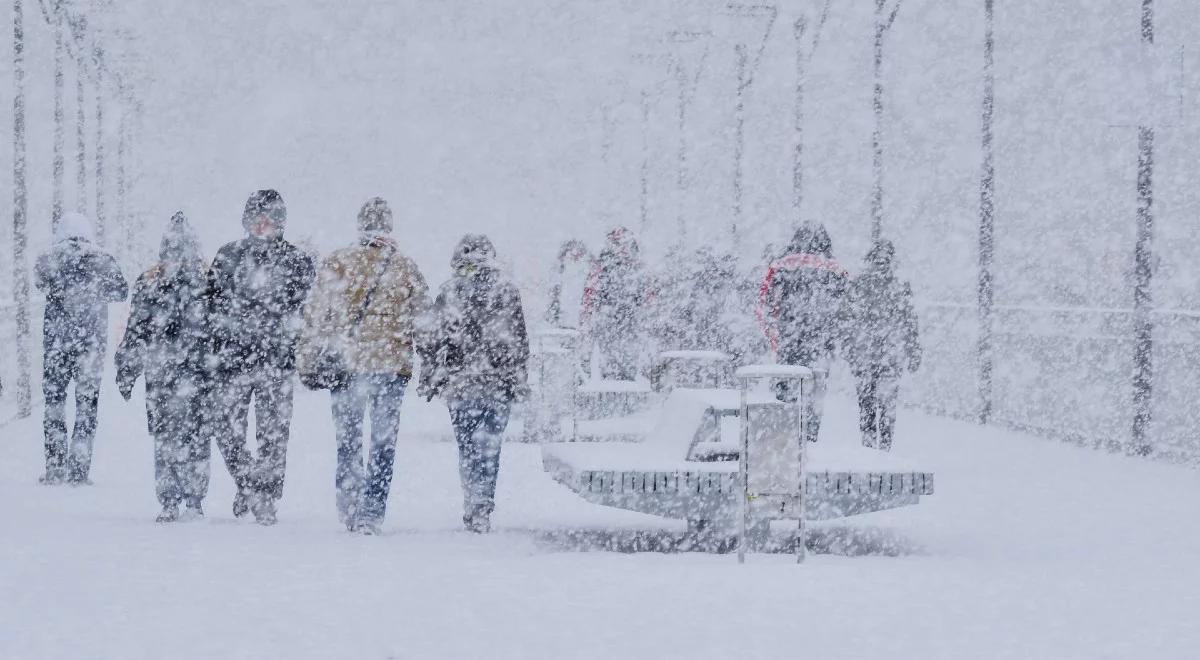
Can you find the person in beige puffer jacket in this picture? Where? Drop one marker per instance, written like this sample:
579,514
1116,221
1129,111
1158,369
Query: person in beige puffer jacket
377,352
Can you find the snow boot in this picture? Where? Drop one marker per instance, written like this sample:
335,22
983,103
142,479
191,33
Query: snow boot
241,504
193,511
367,528
263,507
170,513
54,476
477,521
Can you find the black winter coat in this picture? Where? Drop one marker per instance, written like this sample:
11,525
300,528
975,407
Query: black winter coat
478,346
166,337
79,280
256,290
880,326
803,294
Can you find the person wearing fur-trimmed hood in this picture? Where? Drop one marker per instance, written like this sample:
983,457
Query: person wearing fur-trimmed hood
166,341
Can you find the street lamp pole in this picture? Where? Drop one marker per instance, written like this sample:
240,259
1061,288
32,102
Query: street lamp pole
20,207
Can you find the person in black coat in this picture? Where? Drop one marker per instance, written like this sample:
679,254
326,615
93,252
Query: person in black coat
799,303
476,355
881,342
256,291
79,281
165,340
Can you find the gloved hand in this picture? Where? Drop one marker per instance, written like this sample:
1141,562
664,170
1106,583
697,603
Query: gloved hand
125,387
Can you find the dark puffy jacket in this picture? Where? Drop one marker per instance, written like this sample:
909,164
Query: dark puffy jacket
800,299
477,345
256,290
877,315
79,281
166,337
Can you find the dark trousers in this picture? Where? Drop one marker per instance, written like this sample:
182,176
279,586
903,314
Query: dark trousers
479,428
362,491
62,365
270,390
174,408
878,391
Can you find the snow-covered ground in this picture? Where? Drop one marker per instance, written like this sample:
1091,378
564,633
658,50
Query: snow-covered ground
1030,549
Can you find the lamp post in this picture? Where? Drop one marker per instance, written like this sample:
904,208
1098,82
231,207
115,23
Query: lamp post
885,16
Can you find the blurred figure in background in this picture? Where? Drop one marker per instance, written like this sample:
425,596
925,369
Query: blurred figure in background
799,303
613,301
79,280
570,279
880,342
256,288
476,358
165,340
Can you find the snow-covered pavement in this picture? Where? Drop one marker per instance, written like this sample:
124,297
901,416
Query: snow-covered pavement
1030,549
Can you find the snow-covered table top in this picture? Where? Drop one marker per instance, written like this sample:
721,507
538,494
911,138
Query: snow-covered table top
773,371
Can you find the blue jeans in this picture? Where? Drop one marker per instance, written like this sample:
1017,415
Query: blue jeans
478,426
362,491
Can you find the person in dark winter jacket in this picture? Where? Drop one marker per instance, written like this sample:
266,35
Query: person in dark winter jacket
475,357
365,306
798,305
79,281
613,301
881,342
165,340
256,289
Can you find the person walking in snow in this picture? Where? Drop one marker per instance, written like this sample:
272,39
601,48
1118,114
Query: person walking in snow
165,340
799,302
476,358
613,301
256,289
79,281
360,325
570,280
881,342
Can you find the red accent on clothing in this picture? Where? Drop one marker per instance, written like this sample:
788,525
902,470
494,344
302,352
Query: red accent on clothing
790,262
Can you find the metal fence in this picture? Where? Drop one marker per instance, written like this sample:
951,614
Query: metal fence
1065,372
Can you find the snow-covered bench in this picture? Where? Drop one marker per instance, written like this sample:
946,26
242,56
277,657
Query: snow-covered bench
687,468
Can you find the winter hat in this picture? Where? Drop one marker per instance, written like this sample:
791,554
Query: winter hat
882,255
265,203
821,243
180,245
473,251
375,217
74,225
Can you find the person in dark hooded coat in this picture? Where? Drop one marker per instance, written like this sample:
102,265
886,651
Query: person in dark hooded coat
256,291
79,281
165,340
613,301
476,357
881,342
799,303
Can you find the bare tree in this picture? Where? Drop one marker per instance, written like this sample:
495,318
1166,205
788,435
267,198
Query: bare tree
20,262
885,17
687,78
745,78
58,165
1143,346
987,184
806,47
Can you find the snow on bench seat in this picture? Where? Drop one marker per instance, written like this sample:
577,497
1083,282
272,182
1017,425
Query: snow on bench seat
655,476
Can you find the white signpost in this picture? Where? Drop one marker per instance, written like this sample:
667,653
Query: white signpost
771,467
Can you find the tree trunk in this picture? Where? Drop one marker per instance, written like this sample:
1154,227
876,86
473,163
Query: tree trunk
1143,331
20,204
58,165
986,223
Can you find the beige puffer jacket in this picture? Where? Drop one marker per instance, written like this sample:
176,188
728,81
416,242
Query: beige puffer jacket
383,342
